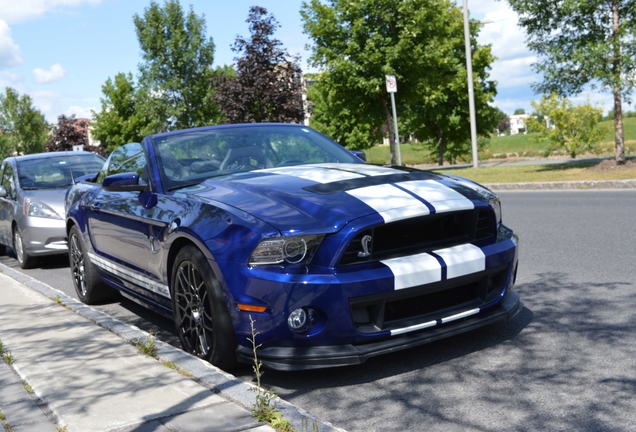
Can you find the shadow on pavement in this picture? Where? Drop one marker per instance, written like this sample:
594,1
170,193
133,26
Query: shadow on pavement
565,363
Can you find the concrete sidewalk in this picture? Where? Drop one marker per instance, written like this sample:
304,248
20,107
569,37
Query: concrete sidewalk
89,379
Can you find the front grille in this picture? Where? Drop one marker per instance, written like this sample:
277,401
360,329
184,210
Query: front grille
378,312
422,234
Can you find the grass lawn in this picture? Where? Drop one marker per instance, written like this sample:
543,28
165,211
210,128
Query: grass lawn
520,145
539,173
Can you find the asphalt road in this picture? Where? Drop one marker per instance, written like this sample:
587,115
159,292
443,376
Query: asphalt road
568,362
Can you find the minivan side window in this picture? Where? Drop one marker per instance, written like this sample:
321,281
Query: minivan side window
8,182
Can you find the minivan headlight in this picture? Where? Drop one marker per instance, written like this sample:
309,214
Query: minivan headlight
291,250
39,209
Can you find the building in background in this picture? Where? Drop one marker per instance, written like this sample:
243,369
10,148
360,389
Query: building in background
518,123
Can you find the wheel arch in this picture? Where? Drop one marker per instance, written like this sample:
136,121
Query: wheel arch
185,239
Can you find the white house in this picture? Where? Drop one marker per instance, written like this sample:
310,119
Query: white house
518,123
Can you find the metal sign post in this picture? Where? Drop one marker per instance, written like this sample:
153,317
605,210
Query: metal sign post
471,93
391,88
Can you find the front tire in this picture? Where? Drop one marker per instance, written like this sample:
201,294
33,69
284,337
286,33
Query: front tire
201,318
88,286
25,260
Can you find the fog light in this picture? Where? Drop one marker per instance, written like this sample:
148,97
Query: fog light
297,319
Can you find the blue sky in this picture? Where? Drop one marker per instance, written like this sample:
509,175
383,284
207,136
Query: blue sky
61,51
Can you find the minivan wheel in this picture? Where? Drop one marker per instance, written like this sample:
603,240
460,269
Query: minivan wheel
25,260
201,318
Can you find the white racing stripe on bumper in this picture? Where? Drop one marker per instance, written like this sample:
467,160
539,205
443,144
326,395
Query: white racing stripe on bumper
462,260
414,270
443,198
390,202
132,275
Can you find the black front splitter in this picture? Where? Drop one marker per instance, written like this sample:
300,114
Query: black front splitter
317,357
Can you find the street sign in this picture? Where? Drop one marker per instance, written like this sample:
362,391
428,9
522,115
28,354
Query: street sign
391,84
78,148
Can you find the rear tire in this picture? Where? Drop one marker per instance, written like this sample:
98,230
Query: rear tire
89,287
201,318
25,260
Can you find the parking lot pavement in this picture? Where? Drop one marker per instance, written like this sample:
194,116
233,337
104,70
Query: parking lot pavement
93,381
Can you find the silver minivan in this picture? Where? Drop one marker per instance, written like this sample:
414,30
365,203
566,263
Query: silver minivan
32,191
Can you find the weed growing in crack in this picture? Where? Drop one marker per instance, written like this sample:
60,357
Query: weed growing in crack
264,408
6,354
148,346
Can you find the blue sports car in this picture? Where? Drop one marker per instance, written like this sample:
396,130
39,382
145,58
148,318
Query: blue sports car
334,259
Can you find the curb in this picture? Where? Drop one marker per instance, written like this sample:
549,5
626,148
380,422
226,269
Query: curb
565,185
220,382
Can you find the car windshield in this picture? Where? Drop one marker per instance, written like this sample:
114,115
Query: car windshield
56,171
191,157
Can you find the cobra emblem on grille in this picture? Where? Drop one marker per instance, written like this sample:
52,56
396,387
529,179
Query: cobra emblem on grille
367,246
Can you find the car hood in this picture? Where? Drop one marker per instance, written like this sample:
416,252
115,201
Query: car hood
53,198
323,198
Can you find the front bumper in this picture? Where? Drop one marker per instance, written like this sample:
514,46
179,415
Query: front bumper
42,236
315,357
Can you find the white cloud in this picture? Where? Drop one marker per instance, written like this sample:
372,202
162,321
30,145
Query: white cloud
9,50
14,11
9,79
45,101
80,111
514,72
54,73
501,29
510,105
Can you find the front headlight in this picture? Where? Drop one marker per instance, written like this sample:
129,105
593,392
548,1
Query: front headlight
496,206
292,250
38,209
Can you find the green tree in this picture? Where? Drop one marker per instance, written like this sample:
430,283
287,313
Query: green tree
357,42
503,122
584,43
519,111
23,128
573,128
122,118
267,86
177,66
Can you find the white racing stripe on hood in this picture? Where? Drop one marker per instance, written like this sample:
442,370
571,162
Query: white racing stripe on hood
414,270
364,169
462,260
443,198
390,202
313,173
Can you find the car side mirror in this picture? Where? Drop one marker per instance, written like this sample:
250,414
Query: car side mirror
86,177
360,154
3,192
124,182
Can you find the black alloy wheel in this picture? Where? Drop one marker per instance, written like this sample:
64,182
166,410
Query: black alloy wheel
201,318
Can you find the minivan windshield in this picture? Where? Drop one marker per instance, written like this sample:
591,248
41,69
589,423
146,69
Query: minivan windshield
56,171
191,157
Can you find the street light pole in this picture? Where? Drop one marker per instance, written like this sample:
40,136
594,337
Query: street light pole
471,91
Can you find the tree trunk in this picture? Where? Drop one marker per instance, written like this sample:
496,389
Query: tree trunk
441,147
389,122
619,138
